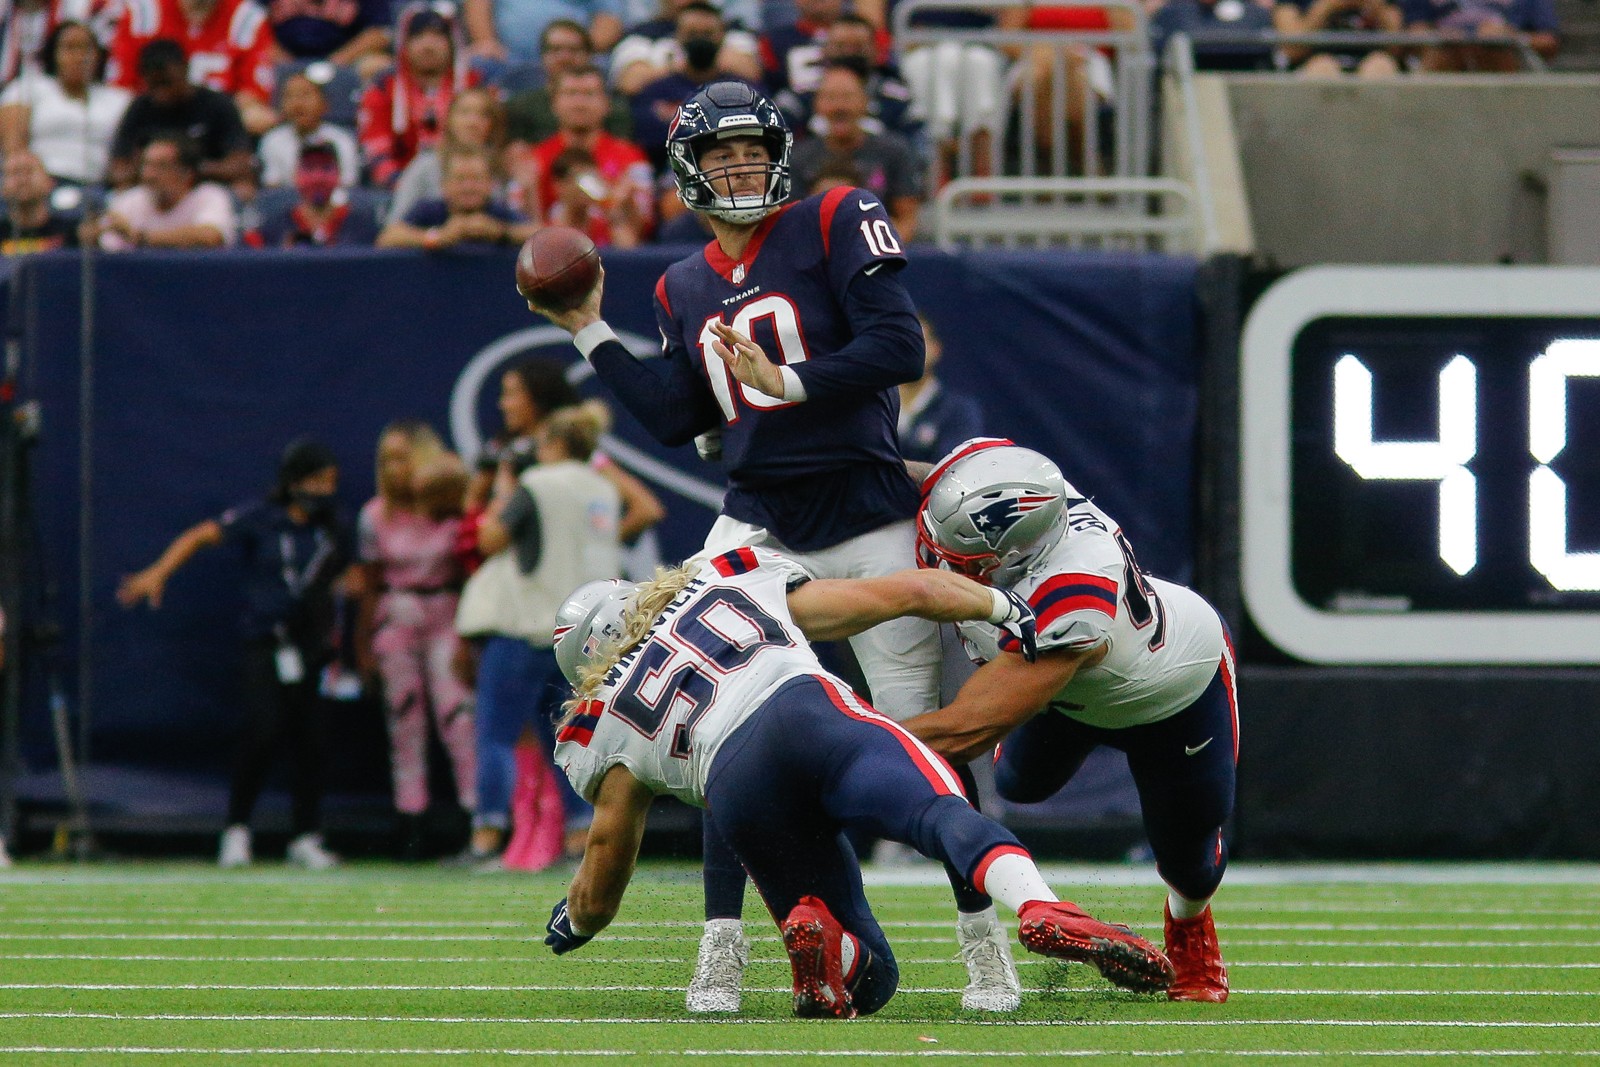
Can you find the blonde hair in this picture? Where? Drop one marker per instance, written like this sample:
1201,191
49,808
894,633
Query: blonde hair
649,600
577,428
422,441
439,484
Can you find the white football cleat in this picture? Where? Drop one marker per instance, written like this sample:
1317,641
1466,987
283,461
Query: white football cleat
719,967
235,848
992,983
308,851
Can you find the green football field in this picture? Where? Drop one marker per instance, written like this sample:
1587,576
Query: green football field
180,964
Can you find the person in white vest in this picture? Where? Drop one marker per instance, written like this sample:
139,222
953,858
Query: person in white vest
546,532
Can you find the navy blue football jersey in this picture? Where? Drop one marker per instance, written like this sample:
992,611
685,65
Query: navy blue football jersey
822,470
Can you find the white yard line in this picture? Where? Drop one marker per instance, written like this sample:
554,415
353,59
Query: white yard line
966,1054
1079,1024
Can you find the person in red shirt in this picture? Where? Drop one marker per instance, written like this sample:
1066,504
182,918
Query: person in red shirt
228,42
403,111
580,104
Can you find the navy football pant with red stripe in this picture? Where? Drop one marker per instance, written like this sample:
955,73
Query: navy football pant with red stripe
1183,767
813,761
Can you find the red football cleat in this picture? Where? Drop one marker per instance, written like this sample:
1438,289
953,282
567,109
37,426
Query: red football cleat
1192,945
815,941
1064,931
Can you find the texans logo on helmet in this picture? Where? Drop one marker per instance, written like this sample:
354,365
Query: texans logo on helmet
993,520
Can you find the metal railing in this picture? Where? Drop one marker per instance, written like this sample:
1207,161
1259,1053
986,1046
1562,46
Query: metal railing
1349,40
1123,56
1180,93
1103,214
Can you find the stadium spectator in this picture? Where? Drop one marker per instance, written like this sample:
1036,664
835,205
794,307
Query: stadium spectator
170,207
304,106
664,45
745,14
791,54
466,213
348,33
582,203
933,419
563,46
294,546
1320,16
545,532
1197,18
888,166
580,103
476,121
699,35
852,41
327,212
1483,19
1087,70
227,45
957,90
403,111
411,578
684,227
30,223
171,106
66,116
511,30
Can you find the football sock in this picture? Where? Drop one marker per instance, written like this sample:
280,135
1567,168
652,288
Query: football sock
847,956
723,876
1013,880
1184,908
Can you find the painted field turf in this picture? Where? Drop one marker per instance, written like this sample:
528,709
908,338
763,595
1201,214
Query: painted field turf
183,964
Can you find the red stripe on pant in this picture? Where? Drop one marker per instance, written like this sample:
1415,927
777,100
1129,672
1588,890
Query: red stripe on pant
980,873
930,763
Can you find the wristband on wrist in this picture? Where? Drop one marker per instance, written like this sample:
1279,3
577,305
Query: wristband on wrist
1002,607
592,337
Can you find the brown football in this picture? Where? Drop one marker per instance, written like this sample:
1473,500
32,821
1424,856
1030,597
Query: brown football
557,267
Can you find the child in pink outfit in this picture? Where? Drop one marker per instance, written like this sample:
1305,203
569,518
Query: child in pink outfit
407,536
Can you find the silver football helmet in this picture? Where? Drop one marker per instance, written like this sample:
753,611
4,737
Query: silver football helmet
989,509
590,618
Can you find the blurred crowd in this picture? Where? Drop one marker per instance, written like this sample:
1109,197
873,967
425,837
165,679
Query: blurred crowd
215,123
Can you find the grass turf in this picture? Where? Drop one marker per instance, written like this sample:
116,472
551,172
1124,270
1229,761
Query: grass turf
180,964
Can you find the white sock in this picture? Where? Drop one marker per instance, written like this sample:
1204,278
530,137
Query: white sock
1184,908
1013,879
847,956
736,925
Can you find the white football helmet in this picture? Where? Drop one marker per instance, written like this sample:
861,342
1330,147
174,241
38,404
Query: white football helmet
989,509
590,618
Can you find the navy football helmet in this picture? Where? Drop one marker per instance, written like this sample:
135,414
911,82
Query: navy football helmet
720,110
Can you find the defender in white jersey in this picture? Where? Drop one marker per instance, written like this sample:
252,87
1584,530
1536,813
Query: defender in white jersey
1126,660
702,684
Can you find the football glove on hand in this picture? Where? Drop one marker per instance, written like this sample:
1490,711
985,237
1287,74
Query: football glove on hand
709,445
561,937
1013,615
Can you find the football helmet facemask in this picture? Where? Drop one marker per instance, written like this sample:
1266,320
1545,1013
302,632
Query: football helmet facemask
990,509
590,618
721,110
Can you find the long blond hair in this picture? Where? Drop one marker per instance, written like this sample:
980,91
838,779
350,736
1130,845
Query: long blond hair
577,428
424,444
644,608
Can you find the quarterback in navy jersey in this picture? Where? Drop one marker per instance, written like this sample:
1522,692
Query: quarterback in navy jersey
784,341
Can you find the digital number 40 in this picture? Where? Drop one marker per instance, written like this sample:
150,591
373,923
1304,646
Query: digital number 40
1445,460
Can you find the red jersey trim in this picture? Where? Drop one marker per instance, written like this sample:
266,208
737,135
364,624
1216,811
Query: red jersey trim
739,561
830,204
724,265
661,295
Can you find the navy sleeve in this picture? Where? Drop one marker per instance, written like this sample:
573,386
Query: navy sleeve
666,395
857,236
244,524
887,348
426,214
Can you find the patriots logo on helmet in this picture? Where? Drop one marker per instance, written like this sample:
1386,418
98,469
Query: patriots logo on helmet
993,520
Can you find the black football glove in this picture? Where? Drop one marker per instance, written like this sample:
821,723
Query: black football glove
1015,617
560,937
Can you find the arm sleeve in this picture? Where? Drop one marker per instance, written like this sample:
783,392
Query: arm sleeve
887,348
521,520
666,395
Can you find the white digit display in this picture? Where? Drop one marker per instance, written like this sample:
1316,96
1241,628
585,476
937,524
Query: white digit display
1443,461
1547,437
1498,548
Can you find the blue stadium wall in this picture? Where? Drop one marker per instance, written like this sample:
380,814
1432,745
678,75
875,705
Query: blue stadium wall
203,366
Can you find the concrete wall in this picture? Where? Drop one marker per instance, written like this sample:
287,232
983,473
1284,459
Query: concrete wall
1443,169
